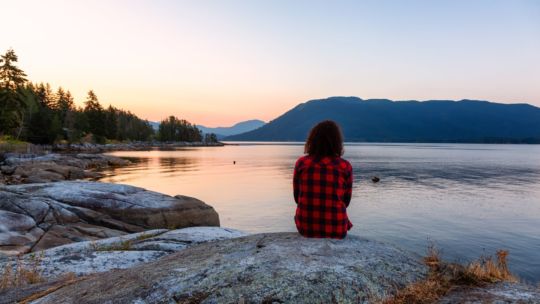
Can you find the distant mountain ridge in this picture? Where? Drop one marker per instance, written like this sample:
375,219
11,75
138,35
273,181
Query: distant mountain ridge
241,127
383,120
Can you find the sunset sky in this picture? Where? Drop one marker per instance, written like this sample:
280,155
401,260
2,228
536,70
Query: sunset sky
220,62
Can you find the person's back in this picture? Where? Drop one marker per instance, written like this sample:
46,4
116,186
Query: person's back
322,185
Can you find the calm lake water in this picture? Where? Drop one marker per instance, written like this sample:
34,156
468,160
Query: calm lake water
469,199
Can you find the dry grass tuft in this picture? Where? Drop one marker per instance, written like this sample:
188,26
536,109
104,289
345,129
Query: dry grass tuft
433,257
444,276
428,291
488,271
19,273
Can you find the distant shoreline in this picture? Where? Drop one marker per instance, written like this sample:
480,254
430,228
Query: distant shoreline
133,146
28,148
285,142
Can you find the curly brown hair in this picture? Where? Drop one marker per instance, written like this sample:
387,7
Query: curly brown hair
325,139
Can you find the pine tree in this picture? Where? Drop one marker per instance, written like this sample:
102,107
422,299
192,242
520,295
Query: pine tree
95,117
45,95
63,104
111,123
60,97
12,99
70,101
11,76
12,106
92,102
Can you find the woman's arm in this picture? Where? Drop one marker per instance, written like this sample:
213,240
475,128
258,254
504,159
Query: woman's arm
348,186
296,182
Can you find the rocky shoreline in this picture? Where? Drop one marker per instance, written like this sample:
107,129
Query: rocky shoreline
52,163
18,168
132,146
29,149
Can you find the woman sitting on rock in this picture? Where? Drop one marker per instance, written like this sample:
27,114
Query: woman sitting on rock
322,184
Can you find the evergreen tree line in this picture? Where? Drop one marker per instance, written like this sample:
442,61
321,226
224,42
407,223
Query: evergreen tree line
35,113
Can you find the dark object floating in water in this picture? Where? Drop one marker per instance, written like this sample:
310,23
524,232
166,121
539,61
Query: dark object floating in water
375,179
234,162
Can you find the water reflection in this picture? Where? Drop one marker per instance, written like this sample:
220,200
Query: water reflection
177,165
470,199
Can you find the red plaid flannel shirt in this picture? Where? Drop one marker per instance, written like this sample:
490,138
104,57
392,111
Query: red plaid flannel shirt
322,191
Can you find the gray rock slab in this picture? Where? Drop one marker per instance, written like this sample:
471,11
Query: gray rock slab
72,211
121,252
262,268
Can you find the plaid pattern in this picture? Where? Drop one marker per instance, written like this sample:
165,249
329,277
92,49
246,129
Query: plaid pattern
322,191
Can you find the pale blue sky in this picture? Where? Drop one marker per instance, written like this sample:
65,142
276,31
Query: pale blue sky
218,62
